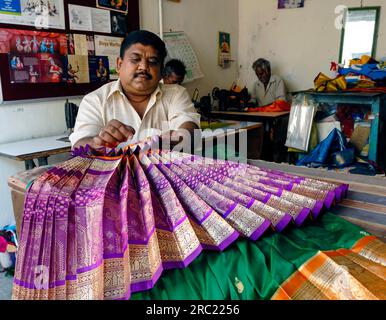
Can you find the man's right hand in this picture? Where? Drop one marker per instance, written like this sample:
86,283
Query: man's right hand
114,133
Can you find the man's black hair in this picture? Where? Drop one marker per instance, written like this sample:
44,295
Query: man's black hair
146,38
176,66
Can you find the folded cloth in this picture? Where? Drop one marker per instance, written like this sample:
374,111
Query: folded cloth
324,83
276,106
370,70
374,90
3,244
363,60
10,232
332,149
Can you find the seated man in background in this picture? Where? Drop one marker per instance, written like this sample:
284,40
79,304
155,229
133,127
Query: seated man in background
270,93
174,72
137,105
269,87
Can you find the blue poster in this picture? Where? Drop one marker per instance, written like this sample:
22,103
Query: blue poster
10,7
98,68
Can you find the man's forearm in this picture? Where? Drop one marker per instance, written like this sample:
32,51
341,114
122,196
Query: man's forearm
190,126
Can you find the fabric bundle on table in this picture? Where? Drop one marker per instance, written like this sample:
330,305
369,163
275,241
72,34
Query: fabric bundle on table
323,83
276,106
104,227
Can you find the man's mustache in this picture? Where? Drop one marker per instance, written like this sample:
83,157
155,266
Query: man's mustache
147,75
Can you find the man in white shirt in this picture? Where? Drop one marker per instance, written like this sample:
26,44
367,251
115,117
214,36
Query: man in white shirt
137,105
269,87
266,90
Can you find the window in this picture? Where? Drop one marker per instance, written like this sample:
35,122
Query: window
359,34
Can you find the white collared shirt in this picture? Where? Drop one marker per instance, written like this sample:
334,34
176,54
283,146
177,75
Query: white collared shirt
169,107
275,90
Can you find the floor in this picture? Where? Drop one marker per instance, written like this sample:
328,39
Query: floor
5,287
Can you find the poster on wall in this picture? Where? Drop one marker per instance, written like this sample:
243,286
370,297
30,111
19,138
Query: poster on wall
115,5
79,17
36,68
289,4
24,68
90,45
98,68
76,69
80,44
224,48
70,43
100,20
37,13
118,23
110,47
51,67
26,42
89,19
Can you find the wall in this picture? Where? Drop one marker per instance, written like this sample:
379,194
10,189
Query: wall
201,20
26,120
300,43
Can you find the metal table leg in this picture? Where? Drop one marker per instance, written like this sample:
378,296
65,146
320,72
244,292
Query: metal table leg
43,161
29,164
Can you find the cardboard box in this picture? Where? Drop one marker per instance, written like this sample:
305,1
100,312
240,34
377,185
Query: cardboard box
18,184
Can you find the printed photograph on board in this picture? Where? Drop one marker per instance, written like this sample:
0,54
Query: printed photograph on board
26,41
36,68
290,4
98,68
90,45
24,68
109,47
115,5
37,13
118,23
51,67
76,69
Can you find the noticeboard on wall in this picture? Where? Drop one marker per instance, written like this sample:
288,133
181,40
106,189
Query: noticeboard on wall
63,54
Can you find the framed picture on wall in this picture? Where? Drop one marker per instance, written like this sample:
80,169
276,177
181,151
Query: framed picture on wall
115,5
289,4
224,48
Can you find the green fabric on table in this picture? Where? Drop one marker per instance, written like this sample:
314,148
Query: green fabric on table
213,125
260,266
223,151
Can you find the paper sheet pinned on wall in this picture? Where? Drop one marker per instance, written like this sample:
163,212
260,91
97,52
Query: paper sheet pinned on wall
179,47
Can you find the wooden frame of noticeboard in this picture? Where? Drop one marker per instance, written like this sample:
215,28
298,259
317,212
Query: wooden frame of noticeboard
27,91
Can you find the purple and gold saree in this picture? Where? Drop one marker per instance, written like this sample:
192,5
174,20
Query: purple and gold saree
105,227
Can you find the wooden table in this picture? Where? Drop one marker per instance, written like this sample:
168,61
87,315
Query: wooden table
230,135
39,149
274,127
249,116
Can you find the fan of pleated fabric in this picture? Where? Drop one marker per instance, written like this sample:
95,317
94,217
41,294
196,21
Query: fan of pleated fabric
103,227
